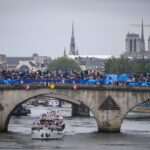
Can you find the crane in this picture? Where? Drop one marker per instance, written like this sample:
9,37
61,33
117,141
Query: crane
140,25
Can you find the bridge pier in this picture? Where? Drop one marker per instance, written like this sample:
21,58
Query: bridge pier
3,121
109,121
80,110
109,116
3,128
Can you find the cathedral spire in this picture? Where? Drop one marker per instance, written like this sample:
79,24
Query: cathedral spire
72,29
77,52
142,38
65,52
72,43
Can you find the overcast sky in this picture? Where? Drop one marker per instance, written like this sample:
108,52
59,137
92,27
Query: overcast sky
44,26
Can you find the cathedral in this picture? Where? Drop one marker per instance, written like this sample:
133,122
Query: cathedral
135,45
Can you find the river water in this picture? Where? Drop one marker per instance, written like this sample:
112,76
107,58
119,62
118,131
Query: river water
80,133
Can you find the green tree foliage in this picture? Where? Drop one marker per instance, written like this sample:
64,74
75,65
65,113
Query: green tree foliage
125,65
142,66
63,63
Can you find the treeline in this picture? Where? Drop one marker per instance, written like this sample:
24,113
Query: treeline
125,65
63,63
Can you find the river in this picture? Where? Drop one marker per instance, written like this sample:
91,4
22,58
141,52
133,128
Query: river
80,133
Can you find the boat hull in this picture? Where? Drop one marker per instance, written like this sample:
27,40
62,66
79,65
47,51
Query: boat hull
47,134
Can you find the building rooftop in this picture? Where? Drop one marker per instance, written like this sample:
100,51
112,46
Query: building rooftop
15,60
90,56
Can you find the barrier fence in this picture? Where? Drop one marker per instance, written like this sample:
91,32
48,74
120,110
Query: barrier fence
107,81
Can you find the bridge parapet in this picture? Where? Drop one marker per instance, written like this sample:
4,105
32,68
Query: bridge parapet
80,86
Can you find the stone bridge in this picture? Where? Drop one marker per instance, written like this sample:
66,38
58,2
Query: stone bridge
109,104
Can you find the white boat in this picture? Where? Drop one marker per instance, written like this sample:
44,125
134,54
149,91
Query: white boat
46,133
48,127
52,102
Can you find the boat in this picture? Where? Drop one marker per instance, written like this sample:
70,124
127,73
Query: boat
52,102
143,107
66,105
48,126
21,110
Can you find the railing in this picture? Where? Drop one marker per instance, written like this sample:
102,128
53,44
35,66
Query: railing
71,81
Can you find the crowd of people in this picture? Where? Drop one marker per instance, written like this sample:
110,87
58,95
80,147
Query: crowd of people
141,77
51,120
45,74
68,74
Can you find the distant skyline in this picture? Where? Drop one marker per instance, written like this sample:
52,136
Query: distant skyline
44,26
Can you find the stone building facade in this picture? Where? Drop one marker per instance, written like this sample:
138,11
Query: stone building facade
90,62
132,43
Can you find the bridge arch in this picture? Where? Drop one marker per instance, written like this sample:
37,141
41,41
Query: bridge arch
44,93
143,101
130,114
23,67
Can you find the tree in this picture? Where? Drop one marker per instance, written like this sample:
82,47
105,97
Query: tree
141,66
63,63
119,65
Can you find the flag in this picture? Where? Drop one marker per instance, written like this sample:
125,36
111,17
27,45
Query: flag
75,87
26,87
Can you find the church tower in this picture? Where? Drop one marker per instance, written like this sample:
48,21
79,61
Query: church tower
142,41
135,44
65,52
149,44
77,52
132,44
72,43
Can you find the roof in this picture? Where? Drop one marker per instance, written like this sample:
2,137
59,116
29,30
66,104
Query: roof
32,64
133,35
15,60
90,56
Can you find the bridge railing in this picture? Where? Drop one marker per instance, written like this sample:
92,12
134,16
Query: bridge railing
72,81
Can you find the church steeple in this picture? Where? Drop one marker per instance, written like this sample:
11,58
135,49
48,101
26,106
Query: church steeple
149,44
72,43
77,52
72,29
65,52
142,43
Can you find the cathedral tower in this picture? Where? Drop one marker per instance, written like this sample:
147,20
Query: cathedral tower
149,44
65,52
72,43
135,44
142,41
132,44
